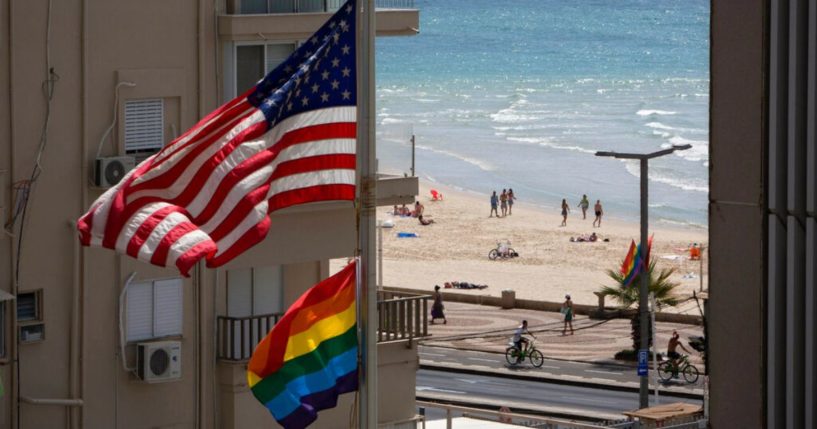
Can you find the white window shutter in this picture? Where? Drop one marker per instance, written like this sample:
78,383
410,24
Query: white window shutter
144,125
239,293
168,305
267,290
140,311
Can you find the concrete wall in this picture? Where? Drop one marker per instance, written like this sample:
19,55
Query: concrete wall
736,222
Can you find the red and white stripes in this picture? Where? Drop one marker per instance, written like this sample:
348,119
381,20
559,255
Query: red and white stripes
208,193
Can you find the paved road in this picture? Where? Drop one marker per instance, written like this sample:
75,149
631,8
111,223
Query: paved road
527,394
592,372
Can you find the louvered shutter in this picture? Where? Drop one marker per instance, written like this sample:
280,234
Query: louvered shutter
168,307
144,125
139,311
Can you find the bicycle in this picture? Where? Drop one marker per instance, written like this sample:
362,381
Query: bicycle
502,250
514,356
667,370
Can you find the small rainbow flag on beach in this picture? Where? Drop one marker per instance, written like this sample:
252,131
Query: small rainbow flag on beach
634,263
309,357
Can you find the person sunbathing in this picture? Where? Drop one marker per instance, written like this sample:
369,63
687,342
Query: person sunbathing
425,222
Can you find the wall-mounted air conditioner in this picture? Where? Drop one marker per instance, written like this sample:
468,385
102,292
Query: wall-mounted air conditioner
109,171
159,361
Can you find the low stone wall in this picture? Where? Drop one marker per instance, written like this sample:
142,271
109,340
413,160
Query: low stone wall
528,304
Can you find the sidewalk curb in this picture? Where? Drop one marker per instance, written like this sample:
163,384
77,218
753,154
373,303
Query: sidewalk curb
697,394
524,408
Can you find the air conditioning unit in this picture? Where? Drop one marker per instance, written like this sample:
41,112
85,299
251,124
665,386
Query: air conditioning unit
110,170
159,361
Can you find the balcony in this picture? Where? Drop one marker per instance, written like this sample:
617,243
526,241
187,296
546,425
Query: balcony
298,19
401,317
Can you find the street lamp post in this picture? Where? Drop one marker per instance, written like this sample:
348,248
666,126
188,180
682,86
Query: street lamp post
643,393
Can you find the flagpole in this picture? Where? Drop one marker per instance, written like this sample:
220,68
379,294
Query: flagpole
367,289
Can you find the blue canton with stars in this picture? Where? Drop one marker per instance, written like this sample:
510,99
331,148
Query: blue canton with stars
319,74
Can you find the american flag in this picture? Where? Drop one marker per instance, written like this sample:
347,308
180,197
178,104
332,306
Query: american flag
208,194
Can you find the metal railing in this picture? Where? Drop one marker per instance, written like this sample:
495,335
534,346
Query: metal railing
238,336
307,6
401,317
506,417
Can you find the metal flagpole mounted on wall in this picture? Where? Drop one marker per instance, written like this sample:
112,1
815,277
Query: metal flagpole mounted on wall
366,171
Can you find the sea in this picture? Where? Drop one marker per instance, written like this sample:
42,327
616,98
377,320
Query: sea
521,94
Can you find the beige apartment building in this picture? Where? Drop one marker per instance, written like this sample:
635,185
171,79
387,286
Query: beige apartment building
92,339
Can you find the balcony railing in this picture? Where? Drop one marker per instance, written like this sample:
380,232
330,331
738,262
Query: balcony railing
308,6
400,317
237,336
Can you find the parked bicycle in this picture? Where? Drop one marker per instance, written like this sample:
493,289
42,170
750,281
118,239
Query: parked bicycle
502,250
668,370
516,356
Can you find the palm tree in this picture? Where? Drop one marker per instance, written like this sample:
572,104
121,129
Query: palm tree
627,295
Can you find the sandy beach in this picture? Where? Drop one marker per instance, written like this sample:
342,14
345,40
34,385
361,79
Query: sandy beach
456,246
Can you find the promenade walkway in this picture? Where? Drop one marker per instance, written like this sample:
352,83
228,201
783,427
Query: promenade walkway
487,328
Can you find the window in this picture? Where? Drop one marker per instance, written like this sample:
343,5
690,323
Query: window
253,62
254,291
286,6
144,126
154,309
30,316
251,294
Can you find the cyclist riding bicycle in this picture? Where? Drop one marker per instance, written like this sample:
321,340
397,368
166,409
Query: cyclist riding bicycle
518,340
674,342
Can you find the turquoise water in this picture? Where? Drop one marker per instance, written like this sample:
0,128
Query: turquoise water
521,93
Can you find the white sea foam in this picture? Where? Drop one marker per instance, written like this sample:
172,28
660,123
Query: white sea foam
698,152
549,143
659,126
688,185
482,165
426,100
650,112
388,121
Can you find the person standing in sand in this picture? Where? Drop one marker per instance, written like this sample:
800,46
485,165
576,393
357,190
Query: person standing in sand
565,211
503,203
494,202
599,212
511,197
438,307
584,205
567,310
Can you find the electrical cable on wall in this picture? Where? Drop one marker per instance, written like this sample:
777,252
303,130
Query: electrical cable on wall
25,188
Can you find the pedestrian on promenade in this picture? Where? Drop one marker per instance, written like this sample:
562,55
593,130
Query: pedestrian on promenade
438,307
565,211
511,197
494,204
599,213
567,311
584,204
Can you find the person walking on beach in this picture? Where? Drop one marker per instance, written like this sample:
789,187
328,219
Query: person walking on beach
494,203
565,211
438,307
584,205
567,311
511,197
503,203
599,213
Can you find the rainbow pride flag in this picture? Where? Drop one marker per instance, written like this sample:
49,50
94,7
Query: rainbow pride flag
634,263
309,357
